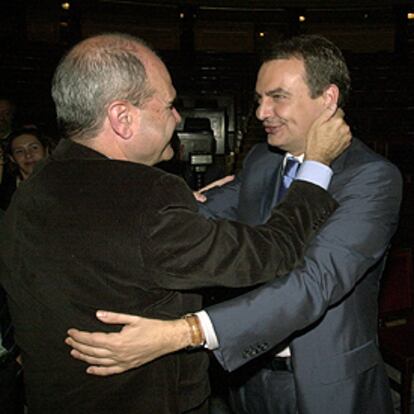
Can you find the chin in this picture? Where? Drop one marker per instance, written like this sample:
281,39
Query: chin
275,140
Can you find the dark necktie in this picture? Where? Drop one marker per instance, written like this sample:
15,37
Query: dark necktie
289,174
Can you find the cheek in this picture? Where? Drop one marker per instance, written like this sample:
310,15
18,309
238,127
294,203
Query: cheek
172,120
304,116
19,162
17,158
283,110
39,155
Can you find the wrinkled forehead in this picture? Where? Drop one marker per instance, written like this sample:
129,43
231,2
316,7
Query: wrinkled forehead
280,73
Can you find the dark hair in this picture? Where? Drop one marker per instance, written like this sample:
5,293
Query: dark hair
323,60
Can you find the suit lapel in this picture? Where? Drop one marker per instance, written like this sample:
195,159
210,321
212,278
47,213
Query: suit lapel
268,185
271,192
260,180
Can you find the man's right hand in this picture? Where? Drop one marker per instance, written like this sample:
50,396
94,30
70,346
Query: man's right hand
328,136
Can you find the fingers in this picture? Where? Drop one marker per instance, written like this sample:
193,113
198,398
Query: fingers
116,318
326,114
199,197
105,371
217,183
328,137
107,362
99,366
97,339
87,345
340,113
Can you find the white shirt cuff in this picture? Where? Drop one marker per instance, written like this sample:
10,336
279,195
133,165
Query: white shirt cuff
315,173
208,330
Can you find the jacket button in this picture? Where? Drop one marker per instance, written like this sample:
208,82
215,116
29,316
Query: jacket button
247,353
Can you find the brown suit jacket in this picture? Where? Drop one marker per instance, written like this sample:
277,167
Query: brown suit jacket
87,233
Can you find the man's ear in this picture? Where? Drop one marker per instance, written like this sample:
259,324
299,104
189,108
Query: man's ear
331,95
121,115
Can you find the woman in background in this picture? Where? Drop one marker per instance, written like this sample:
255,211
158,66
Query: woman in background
25,147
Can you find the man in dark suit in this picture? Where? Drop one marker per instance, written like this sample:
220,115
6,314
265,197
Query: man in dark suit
96,225
325,311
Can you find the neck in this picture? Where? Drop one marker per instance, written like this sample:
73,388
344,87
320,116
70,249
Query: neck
102,145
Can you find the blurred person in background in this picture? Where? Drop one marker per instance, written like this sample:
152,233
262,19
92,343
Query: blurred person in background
24,148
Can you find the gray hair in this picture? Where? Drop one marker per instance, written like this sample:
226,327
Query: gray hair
96,72
323,60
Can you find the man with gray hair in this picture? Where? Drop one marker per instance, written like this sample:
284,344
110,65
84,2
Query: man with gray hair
97,226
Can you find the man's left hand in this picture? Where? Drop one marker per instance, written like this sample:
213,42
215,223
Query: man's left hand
201,198
140,341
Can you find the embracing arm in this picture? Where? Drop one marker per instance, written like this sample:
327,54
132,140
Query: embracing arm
182,250
142,340
117,352
353,240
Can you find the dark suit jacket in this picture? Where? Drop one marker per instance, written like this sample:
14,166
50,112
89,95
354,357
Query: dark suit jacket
328,306
86,233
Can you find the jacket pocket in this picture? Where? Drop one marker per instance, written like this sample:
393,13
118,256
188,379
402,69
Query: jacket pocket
342,366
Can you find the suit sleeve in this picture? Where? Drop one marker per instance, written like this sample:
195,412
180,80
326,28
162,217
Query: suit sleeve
183,250
354,239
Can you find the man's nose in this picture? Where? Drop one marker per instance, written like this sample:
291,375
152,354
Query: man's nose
177,116
264,110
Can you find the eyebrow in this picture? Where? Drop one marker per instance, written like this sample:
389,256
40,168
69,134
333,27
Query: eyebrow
273,92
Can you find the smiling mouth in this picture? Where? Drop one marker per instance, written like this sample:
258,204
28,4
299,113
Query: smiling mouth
272,129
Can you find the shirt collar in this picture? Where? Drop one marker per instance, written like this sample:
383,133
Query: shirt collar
289,155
